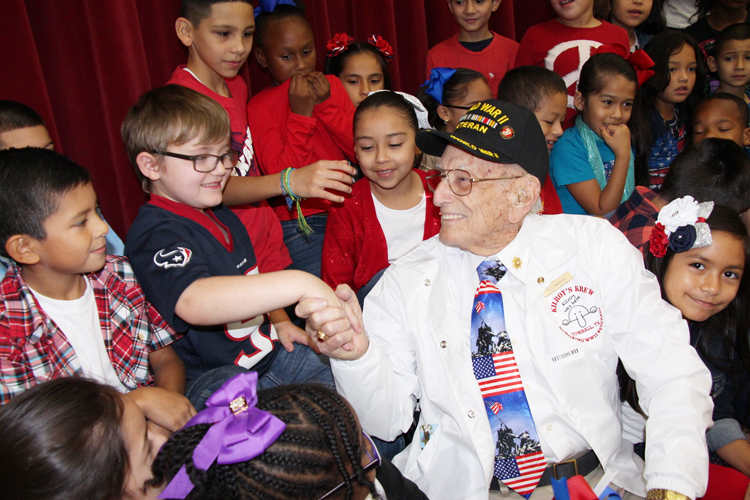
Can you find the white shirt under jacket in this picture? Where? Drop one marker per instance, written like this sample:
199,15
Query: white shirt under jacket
595,303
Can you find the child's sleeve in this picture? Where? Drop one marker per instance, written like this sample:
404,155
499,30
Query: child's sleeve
429,64
166,262
340,248
281,138
16,375
569,161
337,115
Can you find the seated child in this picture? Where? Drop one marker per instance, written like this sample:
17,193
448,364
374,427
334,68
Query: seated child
724,116
703,276
474,46
219,36
75,438
669,97
314,447
194,258
641,20
390,211
731,60
543,92
66,308
303,117
565,43
714,16
592,165
361,67
712,169
22,127
449,93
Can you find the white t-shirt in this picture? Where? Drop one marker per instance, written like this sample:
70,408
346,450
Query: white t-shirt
403,229
679,13
78,319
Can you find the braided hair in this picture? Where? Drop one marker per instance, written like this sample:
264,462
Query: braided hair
319,449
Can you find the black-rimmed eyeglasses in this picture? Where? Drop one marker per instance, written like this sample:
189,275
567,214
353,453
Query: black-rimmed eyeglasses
206,163
373,460
460,181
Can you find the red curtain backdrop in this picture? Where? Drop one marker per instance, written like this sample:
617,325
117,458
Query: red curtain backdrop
81,64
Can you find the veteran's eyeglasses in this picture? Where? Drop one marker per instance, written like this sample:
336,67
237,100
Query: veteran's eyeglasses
460,181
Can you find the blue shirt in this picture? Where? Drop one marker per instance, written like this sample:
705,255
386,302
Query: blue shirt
569,164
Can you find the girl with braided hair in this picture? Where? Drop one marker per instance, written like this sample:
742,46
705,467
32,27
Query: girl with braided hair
307,444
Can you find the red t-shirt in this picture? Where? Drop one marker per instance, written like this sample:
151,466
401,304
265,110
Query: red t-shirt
235,107
493,62
285,139
564,50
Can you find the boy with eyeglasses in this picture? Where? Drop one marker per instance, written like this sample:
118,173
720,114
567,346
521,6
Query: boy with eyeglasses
194,257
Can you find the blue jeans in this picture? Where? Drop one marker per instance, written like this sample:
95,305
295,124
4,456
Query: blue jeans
300,366
306,251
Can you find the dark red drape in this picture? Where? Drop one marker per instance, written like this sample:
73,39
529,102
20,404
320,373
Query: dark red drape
82,63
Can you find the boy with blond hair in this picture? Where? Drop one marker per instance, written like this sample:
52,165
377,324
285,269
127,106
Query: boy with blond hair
194,258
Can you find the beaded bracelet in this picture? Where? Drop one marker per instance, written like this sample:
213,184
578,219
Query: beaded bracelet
286,190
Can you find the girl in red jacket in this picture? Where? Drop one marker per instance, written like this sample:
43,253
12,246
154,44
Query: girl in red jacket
389,211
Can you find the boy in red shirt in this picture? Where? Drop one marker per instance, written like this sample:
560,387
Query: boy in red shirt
564,44
474,46
219,36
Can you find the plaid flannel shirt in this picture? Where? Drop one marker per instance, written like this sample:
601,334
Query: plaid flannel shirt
33,349
637,216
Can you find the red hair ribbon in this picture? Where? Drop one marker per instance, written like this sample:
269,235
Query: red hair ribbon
382,45
640,61
338,44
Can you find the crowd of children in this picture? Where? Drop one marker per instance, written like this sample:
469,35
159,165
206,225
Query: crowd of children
638,120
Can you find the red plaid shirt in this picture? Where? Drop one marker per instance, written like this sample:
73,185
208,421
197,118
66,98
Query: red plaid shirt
33,349
637,216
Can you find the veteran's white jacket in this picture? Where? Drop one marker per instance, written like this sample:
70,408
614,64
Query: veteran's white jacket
576,297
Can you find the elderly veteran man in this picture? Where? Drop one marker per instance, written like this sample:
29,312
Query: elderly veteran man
506,330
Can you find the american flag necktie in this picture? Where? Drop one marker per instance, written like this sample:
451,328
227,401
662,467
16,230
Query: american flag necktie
519,461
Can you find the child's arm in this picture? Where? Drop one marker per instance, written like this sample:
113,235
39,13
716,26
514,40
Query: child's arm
736,454
168,368
323,179
164,408
225,299
598,201
334,109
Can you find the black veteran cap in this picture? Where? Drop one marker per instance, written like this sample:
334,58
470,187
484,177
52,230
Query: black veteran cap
495,131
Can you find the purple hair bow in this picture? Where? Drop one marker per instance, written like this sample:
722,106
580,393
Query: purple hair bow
270,5
437,80
240,431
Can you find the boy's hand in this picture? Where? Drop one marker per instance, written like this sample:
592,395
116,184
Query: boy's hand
341,322
289,334
165,408
302,99
314,180
320,85
617,137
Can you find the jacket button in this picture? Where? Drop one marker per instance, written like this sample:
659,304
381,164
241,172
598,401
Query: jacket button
427,282
443,344
540,279
471,414
549,427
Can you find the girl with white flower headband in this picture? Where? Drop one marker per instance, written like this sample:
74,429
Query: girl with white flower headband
698,252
